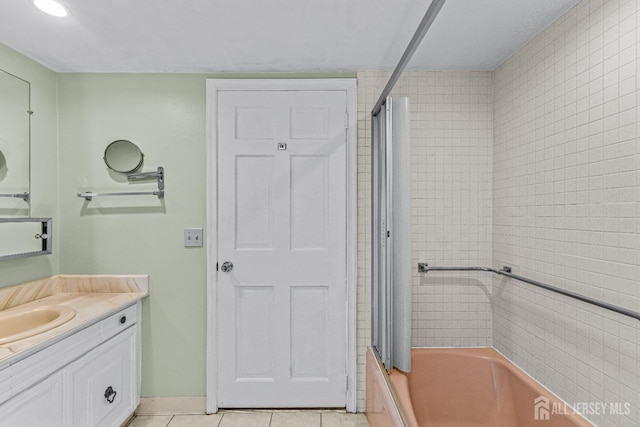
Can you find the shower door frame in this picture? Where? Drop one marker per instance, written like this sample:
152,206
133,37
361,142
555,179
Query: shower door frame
213,86
391,234
381,217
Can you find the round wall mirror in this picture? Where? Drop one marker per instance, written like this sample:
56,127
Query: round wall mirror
123,156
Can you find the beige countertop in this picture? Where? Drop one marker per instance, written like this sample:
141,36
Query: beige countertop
92,298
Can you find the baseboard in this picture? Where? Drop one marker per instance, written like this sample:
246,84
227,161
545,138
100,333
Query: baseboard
171,405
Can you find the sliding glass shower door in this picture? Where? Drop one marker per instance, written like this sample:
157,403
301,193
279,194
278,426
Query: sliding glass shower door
391,234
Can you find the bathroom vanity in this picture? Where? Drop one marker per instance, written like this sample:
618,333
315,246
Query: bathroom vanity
84,371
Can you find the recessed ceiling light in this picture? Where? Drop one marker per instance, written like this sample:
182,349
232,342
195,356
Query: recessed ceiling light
52,7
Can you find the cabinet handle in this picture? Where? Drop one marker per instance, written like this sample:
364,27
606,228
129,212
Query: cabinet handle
123,319
110,394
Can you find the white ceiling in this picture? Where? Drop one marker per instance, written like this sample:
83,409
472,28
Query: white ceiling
273,35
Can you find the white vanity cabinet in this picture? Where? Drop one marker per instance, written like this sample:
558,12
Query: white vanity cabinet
101,385
89,378
40,405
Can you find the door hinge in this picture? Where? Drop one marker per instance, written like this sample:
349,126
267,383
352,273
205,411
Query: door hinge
346,120
346,382
217,266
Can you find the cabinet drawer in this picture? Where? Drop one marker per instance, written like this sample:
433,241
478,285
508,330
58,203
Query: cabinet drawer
102,385
118,322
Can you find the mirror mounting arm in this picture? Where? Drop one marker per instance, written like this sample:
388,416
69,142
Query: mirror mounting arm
158,174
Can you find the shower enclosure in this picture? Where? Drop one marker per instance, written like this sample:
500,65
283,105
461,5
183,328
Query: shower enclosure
391,234
511,250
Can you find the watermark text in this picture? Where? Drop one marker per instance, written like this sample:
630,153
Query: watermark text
543,408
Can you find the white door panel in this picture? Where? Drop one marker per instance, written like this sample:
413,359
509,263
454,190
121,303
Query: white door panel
282,223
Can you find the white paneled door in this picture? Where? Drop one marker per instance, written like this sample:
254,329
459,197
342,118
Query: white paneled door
282,248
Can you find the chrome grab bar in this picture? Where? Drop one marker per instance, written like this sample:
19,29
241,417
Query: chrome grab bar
423,267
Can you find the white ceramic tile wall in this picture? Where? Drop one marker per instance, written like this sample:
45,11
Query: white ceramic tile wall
566,186
451,150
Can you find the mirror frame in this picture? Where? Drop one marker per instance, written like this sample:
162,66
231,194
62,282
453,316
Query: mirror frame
27,194
47,243
111,145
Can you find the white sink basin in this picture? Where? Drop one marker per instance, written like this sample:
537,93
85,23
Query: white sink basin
19,323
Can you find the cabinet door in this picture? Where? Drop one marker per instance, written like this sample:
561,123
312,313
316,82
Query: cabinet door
39,406
102,385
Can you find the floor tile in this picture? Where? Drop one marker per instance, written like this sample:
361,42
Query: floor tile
212,420
336,419
248,419
295,419
150,421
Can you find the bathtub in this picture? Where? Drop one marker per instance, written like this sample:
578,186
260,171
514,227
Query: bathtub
461,387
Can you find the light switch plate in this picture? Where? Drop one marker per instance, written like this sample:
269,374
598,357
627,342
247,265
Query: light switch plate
193,237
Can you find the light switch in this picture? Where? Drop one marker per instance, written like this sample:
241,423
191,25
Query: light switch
193,237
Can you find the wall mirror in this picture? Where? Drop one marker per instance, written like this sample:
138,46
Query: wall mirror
25,237
123,156
15,111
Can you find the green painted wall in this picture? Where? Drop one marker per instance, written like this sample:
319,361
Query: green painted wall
44,163
165,115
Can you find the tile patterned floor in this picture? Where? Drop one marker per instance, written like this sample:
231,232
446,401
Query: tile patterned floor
262,418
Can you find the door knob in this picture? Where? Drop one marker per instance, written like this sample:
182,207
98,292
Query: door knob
226,267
